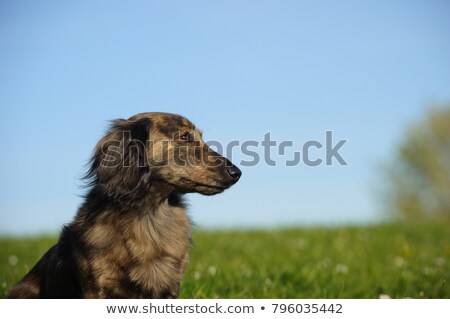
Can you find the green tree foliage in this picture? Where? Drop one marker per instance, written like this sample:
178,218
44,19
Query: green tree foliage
419,176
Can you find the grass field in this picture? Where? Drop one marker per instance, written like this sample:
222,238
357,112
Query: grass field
398,260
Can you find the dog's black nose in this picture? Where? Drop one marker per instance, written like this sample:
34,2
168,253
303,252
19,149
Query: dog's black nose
234,172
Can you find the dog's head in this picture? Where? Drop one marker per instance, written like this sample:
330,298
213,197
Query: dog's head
158,148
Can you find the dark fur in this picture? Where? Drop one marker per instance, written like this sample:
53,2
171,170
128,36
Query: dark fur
131,236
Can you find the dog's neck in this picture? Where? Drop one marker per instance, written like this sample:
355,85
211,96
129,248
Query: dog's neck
161,194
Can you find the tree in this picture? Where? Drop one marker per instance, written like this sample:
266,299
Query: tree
419,176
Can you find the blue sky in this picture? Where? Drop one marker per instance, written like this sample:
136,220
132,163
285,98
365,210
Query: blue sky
237,69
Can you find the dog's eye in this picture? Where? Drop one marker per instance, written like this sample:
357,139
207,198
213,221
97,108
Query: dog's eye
187,137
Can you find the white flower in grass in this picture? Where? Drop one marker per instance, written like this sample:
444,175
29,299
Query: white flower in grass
212,270
399,261
197,275
341,268
247,272
439,261
13,260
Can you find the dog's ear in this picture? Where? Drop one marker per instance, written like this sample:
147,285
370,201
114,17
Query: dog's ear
119,163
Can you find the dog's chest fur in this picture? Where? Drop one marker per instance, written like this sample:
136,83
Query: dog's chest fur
134,254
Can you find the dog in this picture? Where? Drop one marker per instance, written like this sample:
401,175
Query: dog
131,236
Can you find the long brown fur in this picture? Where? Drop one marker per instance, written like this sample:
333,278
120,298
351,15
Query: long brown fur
131,237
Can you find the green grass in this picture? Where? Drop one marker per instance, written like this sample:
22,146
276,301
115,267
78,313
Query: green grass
399,260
